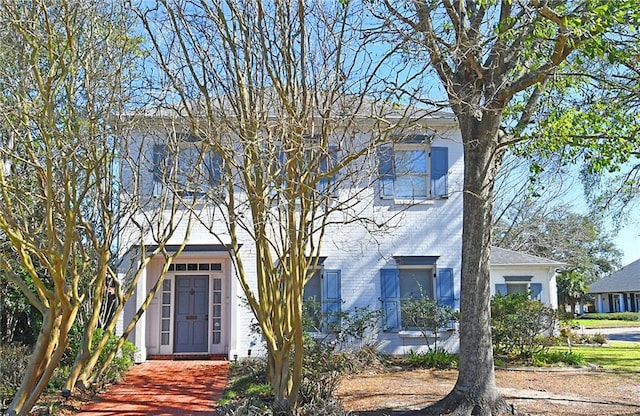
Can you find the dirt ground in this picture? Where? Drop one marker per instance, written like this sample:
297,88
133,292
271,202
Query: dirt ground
532,392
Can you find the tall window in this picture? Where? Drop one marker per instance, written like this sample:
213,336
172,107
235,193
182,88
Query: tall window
186,166
415,283
414,278
413,169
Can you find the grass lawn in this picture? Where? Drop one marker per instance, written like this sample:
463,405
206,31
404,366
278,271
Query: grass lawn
603,323
618,356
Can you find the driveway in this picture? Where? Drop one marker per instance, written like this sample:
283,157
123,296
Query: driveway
630,334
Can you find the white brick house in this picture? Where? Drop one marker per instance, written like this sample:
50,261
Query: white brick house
199,308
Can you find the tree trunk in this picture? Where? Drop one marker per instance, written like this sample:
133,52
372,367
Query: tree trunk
475,392
280,379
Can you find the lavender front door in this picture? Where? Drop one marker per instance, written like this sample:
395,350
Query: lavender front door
192,314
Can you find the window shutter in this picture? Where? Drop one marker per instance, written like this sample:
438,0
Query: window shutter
159,162
501,289
633,302
445,290
439,171
331,301
386,170
327,163
214,168
536,291
390,286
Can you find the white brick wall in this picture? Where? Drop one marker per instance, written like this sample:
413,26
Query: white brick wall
431,228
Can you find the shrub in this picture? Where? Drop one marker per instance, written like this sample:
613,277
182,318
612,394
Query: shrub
122,362
428,317
541,359
567,336
321,371
433,359
615,316
517,324
13,364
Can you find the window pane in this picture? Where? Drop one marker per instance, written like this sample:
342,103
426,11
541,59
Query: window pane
411,186
411,173
165,325
313,288
165,339
517,288
415,284
411,162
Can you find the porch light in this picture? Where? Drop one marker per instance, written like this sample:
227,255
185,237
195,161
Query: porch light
249,352
235,357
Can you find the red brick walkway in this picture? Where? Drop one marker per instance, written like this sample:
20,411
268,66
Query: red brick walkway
164,388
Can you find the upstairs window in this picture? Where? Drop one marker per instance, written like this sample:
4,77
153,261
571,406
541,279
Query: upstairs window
413,169
318,162
186,167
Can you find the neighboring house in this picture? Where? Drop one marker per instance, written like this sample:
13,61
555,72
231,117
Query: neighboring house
619,291
514,272
199,308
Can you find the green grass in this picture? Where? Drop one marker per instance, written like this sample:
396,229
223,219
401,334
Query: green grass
618,356
601,323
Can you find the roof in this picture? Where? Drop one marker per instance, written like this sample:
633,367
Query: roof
627,279
504,257
346,106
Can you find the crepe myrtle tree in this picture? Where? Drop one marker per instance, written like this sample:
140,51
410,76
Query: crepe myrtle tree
281,99
66,72
493,60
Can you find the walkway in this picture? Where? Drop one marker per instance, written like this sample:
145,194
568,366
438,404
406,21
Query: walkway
164,388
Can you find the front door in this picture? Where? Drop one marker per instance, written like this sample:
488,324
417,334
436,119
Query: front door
192,314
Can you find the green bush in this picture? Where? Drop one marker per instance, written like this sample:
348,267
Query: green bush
428,317
545,358
613,316
433,359
567,336
122,362
519,325
13,364
321,371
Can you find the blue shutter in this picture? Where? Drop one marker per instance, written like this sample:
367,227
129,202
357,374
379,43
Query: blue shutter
386,170
501,289
159,162
214,165
536,291
445,290
439,171
390,286
327,163
331,300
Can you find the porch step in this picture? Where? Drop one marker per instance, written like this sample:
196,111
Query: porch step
189,357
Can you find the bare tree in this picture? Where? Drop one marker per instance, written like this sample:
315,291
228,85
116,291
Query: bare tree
67,72
282,98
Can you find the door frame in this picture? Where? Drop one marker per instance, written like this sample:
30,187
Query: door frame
170,280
